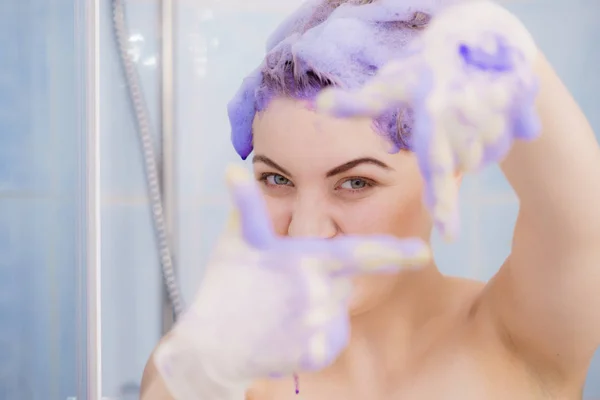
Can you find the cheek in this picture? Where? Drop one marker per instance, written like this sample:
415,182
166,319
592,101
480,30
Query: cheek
391,211
279,214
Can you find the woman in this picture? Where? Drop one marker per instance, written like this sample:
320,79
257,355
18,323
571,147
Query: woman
410,333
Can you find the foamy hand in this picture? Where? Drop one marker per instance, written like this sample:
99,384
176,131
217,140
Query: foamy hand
269,306
470,83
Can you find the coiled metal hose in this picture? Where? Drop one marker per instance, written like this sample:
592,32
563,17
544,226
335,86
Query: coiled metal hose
140,109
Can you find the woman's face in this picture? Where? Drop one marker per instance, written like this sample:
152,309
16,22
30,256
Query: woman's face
322,177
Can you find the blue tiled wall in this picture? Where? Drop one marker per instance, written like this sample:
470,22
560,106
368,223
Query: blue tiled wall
41,147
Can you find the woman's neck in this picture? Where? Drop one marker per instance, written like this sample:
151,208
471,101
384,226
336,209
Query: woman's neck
383,334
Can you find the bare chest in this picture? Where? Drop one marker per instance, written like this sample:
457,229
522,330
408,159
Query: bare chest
452,372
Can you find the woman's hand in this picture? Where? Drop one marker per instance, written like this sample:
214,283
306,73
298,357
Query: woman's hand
470,83
269,306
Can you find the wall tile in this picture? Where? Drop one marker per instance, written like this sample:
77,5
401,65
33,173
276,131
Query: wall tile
131,301
40,211
456,258
496,230
212,65
38,309
199,233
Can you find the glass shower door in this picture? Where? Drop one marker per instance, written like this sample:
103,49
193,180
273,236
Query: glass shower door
43,199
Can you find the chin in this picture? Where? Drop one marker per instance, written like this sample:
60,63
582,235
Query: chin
369,292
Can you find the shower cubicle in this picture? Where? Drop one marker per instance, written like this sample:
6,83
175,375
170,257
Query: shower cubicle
84,85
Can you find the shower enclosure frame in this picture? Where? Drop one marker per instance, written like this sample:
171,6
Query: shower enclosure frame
93,323
90,387
169,143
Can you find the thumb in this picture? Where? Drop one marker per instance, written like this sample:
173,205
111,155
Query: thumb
249,216
390,88
380,254
353,255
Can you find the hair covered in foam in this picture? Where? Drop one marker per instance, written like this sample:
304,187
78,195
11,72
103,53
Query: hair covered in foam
332,42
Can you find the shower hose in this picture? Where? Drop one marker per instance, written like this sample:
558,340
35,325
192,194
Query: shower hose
144,129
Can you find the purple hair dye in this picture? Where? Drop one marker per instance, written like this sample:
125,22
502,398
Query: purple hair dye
338,43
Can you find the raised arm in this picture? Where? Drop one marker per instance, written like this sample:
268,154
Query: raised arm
546,298
547,294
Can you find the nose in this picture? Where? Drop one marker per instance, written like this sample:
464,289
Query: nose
310,219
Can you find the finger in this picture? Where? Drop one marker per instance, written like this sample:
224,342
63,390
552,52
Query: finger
349,255
464,140
327,343
443,187
320,314
250,210
388,89
526,124
324,295
379,254
436,161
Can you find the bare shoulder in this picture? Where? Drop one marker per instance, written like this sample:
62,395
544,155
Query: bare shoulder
153,386
490,331
258,391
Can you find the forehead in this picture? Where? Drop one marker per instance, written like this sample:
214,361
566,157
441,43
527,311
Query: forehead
288,129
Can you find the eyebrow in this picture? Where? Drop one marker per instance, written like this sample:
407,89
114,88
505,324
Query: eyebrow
267,161
335,171
355,163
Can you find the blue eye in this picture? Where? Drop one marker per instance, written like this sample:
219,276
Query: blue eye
355,184
277,180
